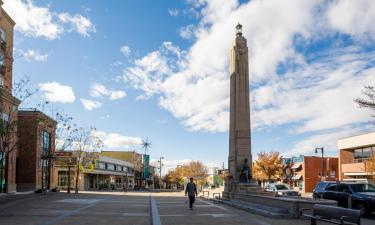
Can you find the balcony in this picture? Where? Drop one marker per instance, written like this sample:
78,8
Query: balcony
349,168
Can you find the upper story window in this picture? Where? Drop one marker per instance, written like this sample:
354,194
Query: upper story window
2,66
45,142
4,120
362,154
2,35
111,167
3,39
101,165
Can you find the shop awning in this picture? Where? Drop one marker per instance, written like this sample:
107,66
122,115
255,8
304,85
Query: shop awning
296,166
297,177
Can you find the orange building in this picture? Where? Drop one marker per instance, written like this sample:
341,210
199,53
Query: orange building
303,172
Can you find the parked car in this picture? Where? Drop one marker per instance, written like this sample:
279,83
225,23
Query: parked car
362,194
281,190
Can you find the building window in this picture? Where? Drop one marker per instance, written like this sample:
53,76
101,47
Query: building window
45,142
118,182
63,179
101,165
119,168
366,153
2,63
4,120
362,154
111,167
2,35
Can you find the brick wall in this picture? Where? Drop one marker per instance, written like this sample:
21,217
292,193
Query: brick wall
312,169
345,157
31,125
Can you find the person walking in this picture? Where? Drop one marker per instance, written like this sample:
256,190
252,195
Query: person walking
191,191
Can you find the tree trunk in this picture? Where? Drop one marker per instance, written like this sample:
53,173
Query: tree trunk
76,181
69,169
42,175
1,173
6,157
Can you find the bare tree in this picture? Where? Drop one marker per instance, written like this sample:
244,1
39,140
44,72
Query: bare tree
65,133
368,99
86,142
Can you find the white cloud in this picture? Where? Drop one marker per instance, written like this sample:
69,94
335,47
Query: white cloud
99,90
39,21
118,141
56,92
327,140
187,32
117,95
78,23
353,17
125,50
311,92
173,12
90,104
35,55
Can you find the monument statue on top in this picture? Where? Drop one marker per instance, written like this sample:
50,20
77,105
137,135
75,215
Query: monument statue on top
240,159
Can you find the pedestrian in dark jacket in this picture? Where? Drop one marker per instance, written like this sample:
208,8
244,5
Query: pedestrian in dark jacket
191,191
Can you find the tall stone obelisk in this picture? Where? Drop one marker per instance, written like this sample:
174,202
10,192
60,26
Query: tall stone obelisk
239,126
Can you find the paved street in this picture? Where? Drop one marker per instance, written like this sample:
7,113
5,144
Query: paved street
132,208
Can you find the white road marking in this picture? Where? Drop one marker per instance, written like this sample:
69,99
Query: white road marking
154,212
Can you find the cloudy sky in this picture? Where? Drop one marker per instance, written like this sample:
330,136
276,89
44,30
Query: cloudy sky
160,69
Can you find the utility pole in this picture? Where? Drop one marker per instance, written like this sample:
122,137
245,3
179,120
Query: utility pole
160,168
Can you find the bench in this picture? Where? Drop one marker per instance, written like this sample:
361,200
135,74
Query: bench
208,194
216,197
333,214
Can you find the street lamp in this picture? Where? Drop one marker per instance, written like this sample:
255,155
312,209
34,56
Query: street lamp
160,167
316,151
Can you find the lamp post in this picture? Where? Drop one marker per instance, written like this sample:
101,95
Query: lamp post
160,167
322,150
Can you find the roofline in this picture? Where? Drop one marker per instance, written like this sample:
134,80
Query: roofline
357,135
36,112
6,14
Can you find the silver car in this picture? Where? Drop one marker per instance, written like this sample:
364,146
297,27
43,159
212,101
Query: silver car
281,190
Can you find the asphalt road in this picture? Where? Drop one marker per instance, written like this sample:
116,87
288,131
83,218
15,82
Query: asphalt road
132,208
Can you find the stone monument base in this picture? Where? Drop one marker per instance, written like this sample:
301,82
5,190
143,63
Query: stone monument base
245,188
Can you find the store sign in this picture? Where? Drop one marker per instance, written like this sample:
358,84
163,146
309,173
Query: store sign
332,174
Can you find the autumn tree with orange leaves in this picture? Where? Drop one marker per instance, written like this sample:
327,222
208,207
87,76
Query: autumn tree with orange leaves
194,169
268,166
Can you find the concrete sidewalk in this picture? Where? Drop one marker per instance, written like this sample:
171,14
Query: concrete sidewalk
132,208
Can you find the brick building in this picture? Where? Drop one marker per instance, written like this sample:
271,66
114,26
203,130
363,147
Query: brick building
8,106
36,145
303,172
354,152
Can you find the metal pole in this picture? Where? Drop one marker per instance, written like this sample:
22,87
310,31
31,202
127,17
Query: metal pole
323,174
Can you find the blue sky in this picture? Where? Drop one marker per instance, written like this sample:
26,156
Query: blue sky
159,69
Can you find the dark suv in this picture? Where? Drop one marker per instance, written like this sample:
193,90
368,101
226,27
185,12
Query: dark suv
362,194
